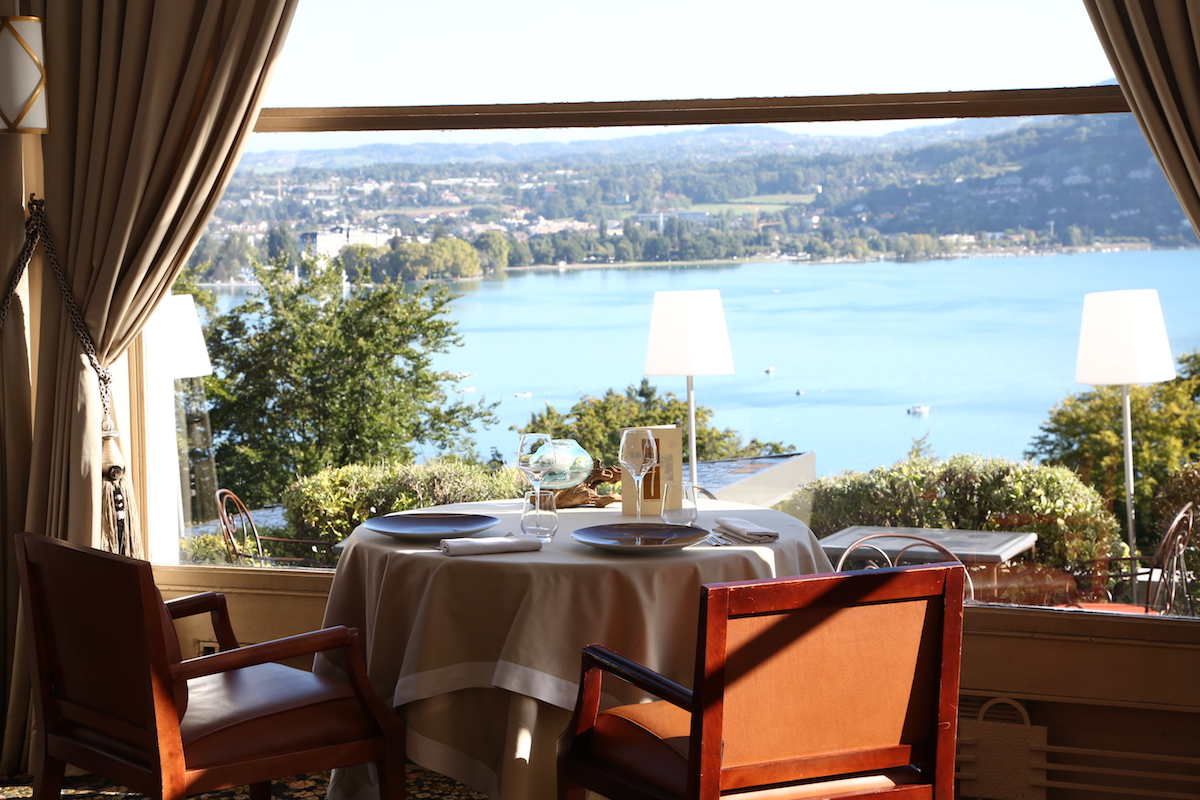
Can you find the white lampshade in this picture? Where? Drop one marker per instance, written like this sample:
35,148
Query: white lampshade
688,335
1123,340
22,76
177,339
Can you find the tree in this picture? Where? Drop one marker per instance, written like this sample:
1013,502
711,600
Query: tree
1085,432
493,249
308,377
596,424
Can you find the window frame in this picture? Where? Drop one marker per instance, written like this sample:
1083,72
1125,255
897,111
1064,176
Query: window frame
1104,99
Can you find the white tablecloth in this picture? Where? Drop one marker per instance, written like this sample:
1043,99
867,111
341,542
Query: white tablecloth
481,653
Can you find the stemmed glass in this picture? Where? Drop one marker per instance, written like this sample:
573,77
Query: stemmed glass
639,453
535,457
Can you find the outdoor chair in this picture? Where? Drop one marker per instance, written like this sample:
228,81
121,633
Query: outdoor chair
113,696
820,686
244,543
880,557
1158,584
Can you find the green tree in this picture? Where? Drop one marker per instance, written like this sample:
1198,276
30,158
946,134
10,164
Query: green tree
493,249
309,377
1085,432
596,424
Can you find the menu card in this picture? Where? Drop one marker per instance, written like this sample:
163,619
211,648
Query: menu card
669,440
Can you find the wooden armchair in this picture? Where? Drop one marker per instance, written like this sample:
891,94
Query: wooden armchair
243,542
824,686
113,696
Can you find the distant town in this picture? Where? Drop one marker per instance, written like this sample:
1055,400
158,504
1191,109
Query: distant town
1052,184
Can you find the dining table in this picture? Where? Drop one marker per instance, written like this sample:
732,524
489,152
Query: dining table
481,653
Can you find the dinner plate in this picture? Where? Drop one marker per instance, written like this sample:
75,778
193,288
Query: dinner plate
643,537
430,524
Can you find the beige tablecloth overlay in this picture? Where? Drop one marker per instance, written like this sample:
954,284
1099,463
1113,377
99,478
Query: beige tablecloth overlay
481,653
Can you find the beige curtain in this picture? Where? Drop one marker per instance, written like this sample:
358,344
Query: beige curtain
150,106
1154,49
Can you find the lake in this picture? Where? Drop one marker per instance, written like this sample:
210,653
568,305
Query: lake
987,343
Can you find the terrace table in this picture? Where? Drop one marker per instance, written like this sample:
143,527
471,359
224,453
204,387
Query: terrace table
972,547
481,654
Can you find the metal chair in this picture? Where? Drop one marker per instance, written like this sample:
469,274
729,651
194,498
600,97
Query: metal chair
244,543
820,686
1162,581
917,541
113,696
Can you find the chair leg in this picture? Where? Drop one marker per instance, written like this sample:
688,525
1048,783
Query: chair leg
48,778
260,790
393,781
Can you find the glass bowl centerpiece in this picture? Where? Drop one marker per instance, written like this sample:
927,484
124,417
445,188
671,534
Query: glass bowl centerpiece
572,465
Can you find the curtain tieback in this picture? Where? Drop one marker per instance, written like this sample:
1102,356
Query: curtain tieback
119,535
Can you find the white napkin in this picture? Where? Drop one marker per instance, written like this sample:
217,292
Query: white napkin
489,544
747,531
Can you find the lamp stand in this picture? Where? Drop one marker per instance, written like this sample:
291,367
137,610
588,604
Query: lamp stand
1128,435
691,431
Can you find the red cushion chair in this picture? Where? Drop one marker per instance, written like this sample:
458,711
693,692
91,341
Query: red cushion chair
822,686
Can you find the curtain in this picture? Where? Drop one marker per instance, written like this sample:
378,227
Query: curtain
1153,48
150,106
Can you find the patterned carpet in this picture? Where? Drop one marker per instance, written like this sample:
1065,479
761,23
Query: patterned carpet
422,785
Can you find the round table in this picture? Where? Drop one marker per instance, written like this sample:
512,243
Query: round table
482,653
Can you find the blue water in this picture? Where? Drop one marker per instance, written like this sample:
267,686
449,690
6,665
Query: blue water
989,344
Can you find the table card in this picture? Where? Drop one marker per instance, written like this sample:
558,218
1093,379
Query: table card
669,440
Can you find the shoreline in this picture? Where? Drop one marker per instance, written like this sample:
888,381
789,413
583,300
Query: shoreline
1005,252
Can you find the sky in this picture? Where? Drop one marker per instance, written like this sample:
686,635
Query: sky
417,52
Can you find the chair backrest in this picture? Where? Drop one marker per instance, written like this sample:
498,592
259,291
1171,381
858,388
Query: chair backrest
1169,576
102,641
867,543
828,674
236,524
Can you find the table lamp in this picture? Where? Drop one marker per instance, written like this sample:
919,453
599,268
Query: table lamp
688,337
1123,341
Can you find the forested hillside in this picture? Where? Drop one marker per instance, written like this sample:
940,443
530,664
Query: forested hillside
1058,181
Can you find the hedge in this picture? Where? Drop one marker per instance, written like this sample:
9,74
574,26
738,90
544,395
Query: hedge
332,502
973,493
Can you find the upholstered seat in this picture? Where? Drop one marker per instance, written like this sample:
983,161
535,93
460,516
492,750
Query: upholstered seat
824,686
114,697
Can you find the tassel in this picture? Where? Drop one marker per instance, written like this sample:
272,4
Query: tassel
117,523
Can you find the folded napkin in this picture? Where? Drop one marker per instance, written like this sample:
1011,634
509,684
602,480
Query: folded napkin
489,544
747,531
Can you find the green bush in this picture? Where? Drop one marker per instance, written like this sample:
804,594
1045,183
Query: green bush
203,548
331,503
973,493
1182,486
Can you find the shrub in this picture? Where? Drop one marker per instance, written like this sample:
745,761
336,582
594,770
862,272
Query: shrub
1181,486
203,548
973,493
332,502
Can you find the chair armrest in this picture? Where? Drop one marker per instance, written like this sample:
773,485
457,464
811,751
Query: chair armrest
211,603
598,657
303,644
596,661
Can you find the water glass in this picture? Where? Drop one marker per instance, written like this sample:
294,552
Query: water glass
539,517
679,503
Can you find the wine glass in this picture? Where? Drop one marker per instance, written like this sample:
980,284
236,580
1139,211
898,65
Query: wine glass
535,457
639,453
